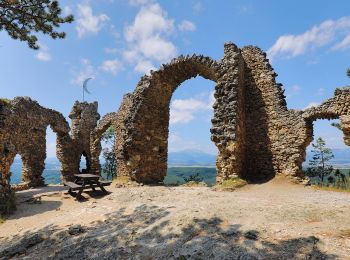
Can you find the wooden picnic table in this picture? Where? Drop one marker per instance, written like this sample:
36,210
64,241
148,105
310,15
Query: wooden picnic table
86,181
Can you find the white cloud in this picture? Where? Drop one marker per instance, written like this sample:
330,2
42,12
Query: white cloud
177,144
144,66
345,43
111,66
184,110
187,26
51,150
312,104
111,50
87,71
293,91
43,53
197,7
140,2
320,92
319,35
67,10
87,23
148,38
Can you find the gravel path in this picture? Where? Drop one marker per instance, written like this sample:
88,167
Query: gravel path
276,220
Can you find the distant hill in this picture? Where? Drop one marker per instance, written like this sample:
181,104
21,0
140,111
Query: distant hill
191,157
341,157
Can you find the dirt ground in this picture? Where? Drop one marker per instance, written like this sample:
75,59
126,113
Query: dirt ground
275,220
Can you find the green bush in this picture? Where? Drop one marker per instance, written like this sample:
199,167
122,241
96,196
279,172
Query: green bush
7,205
231,184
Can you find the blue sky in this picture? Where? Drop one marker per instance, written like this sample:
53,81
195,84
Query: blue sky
117,41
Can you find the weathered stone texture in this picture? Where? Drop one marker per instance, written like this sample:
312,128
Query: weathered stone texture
95,140
256,135
23,131
143,146
72,147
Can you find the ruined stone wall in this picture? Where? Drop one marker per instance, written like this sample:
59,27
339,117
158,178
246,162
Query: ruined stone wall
228,129
142,147
71,147
274,135
336,107
96,137
23,131
256,134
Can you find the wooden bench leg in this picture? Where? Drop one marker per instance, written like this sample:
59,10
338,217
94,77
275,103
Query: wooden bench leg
102,188
92,187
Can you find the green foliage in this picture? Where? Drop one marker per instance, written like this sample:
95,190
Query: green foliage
7,205
337,125
175,175
20,18
231,184
109,167
319,166
193,178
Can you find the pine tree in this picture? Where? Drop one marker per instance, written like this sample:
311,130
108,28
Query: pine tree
108,153
319,163
22,18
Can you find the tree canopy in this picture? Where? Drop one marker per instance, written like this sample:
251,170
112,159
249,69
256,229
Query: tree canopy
108,153
319,163
23,18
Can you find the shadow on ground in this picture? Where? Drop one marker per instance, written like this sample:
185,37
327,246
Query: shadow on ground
146,233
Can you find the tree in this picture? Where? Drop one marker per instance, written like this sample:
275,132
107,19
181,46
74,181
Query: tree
21,18
337,125
193,177
348,72
108,153
319,163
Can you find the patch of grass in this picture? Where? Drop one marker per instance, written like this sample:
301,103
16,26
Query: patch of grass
121,180
195,184
230,184
331,188
5,100
124,181
8,205
345,233
2,219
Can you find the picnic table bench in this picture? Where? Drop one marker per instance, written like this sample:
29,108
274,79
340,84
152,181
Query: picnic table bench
86,181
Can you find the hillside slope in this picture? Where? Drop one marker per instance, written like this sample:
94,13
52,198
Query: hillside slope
275,220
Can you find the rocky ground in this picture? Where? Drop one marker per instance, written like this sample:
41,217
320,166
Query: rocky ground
275,220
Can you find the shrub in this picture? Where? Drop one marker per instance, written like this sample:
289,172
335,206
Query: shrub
231,184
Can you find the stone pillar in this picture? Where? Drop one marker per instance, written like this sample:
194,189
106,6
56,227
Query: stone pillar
228,131
71,147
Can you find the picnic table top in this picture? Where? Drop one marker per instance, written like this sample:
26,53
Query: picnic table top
87,176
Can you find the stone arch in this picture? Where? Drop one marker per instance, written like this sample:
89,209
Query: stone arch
25,124
337,107
142,144
95,140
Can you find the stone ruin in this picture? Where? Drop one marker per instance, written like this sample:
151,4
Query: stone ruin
257,136
23,124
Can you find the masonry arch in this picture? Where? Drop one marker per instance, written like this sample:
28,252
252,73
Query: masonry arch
95,140
142,142
144,154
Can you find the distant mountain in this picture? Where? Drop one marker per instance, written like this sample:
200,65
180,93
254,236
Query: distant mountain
191,157
341,157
